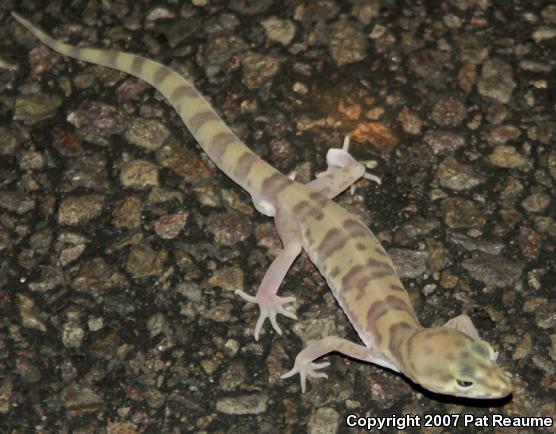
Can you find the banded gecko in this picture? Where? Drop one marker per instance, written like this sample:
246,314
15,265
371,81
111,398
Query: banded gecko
450,359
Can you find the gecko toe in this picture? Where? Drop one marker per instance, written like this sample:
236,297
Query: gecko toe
306,369
274,323
245,296
270,307
320,365
259,325
282,311
288,299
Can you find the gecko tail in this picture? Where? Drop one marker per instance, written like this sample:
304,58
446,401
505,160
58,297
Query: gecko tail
27,24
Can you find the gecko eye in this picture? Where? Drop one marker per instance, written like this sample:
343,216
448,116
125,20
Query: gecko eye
464,384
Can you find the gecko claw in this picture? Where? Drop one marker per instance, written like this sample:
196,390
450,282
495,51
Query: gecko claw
306,369
372,178
269,306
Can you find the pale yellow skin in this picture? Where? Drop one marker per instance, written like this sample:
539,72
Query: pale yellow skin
450,359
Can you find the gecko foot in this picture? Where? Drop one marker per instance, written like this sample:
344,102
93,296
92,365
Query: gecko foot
270,306
306,369
337,158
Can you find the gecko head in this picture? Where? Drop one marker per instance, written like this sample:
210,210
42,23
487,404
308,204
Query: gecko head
447,361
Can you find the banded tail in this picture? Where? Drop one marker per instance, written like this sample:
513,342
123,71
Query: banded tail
223,147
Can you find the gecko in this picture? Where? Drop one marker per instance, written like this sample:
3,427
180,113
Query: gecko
450,359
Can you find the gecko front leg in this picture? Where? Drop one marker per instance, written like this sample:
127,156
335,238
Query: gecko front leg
270,304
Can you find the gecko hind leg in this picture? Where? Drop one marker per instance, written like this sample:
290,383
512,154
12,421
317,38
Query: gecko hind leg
342,172
270,304
306,367
463,324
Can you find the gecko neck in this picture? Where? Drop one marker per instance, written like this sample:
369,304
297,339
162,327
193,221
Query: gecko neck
400,344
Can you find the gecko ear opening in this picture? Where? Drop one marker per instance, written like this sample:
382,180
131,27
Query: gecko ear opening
463,323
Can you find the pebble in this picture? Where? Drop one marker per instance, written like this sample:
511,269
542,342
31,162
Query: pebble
169,226
233,377
543,33
549,14
467,77
442,142
31,160
228,229
376,133
184,162
72,334
410,121
243,404
78,210
529,65
325,420
97,119
88,170
347,43
6,394
366,11
461,213
472,48
493,270
228,278
508,157
536,202
31,317
545,315
497,113
8,142
149,134
258,69
448,112
529,242
278,30
428,63
503,134
95,276
16,202
471,244
458,177
157,324
80,399
127,213
409,264
218,51
36,107
144,261
139,174
496,80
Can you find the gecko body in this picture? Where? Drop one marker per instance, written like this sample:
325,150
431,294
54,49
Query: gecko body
451,359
